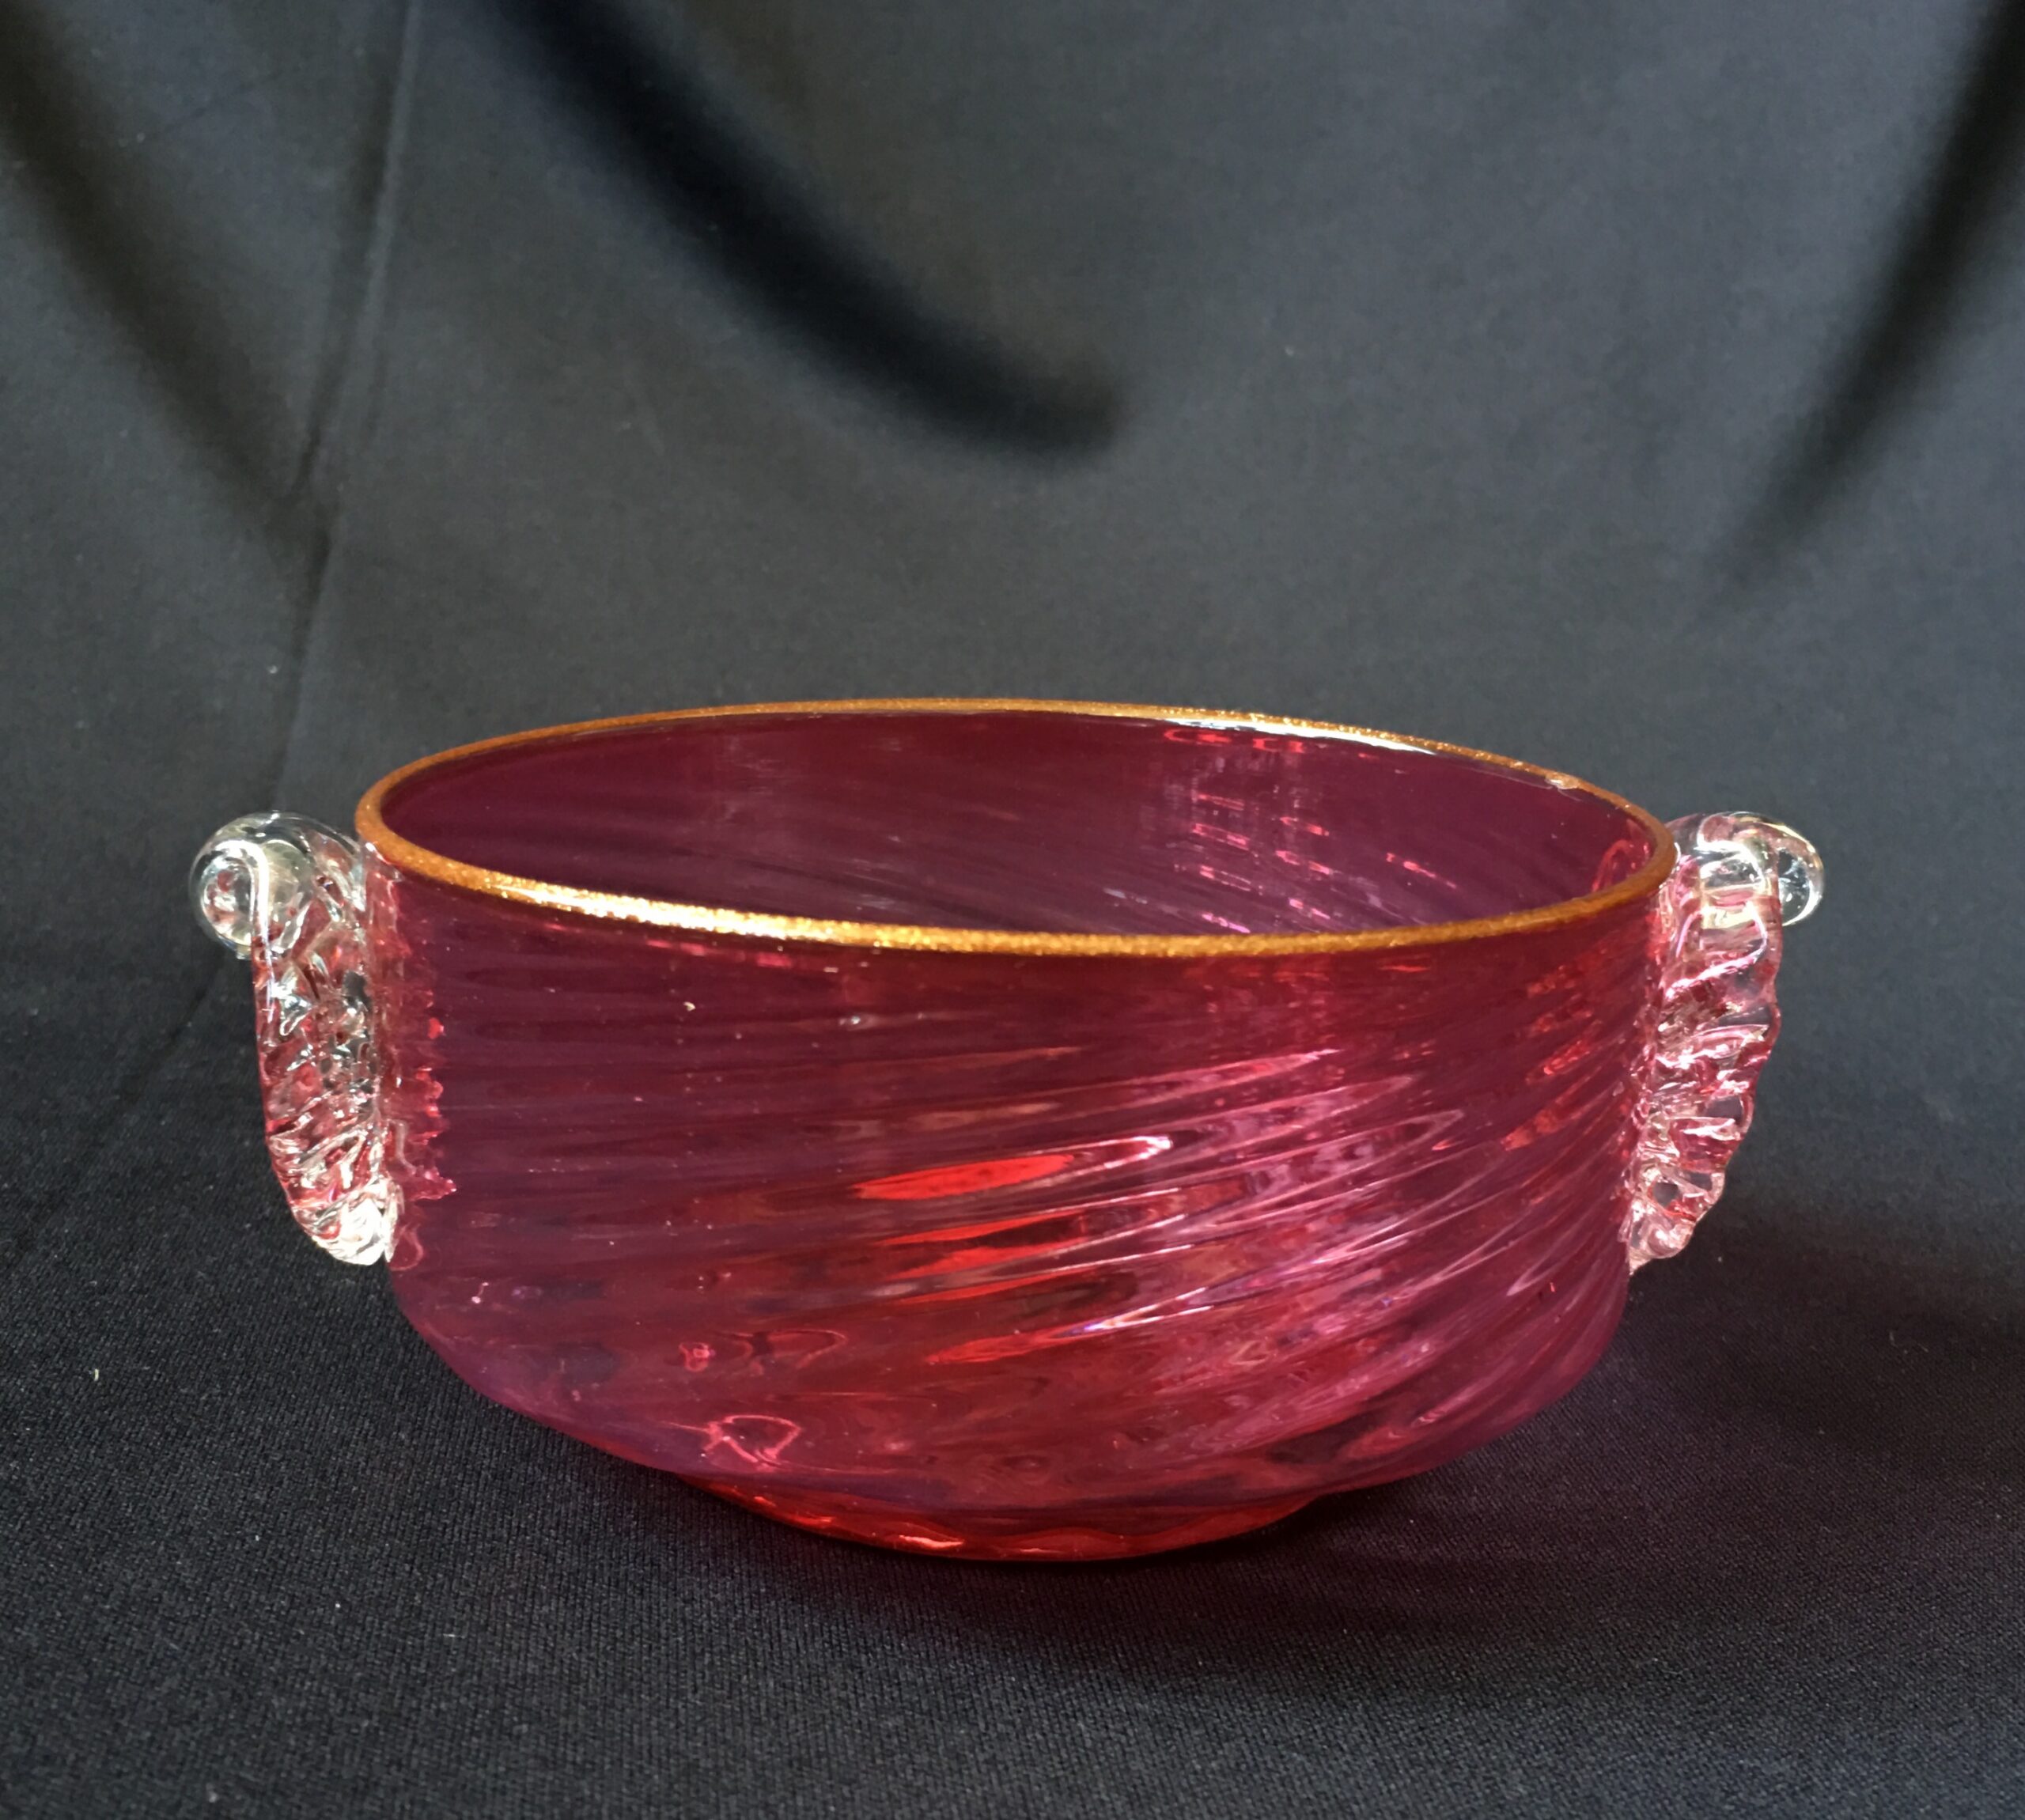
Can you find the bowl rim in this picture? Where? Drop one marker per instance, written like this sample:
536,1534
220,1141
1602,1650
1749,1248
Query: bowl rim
408,857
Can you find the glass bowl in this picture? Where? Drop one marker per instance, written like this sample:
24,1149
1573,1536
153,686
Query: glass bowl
1012,1129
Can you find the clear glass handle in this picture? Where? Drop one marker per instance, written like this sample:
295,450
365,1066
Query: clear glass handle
1741,881
288,894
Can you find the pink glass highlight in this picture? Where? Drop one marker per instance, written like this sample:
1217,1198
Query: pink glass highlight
1026,1251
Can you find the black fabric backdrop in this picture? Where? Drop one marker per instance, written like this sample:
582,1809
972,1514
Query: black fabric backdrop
1638,389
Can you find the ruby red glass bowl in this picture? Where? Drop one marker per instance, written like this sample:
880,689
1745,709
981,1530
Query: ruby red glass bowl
1012,1129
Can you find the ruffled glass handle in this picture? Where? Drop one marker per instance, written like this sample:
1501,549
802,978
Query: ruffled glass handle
1740,882
288,894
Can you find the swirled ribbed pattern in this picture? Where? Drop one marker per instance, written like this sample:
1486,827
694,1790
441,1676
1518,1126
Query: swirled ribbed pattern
1004,1254
960,1235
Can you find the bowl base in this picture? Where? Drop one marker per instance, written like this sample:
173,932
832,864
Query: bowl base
1024,1535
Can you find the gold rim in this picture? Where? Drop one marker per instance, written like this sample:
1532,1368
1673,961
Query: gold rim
405,856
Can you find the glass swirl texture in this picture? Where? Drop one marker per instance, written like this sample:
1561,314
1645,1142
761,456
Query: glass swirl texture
1000,1251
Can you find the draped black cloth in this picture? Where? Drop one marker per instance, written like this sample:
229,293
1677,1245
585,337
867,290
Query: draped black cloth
1636,389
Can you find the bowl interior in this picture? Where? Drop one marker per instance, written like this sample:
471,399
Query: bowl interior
994,818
